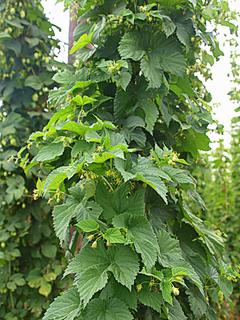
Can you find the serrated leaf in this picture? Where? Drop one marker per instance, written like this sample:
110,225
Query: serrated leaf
50,152
170,255
65,307
176,311
152,70
84,40
169,249
125,78
140,232
197,302
150,298
119,201
131,46
74,127
93,265
88,225
124,265
166,289
178,175
62,215
91,281
114,235
148,173
168,26
184,32
76,206
151,114
108,310
171,57
116,290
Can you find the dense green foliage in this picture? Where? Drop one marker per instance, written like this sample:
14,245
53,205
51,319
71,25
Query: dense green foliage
30,260
114,159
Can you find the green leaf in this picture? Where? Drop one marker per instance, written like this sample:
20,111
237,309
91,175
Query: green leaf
125,78
195,141
119,201
124,265
152,70
55,178
170,252
197,302
151,114
184,32
50,152
107,310
150,299
168,26
131,46
176,312
170,255
34,82
140,232
178,175
93,265
84,40
62,215
114,235
116,290
171,57
166,289
148,173
49,250
88,225
65,307
76,206
91,281
74,127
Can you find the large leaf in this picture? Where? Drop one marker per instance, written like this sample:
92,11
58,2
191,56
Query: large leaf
176,311
151,114
119,201
152,70
146,171
171,58
112,309
65,307
140,232
197,302
178,175
76,206
131,46
49,152
93,265
150,298
170,252
170,255
115,290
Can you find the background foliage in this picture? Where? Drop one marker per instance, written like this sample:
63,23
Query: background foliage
218,173
130,119
30,261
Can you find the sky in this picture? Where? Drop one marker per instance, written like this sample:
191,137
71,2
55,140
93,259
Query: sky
219,86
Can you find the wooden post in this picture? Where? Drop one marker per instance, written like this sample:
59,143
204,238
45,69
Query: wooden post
72,26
